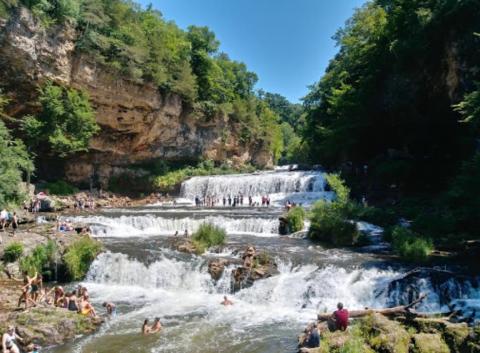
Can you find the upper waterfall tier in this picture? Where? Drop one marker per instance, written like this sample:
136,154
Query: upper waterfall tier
296,186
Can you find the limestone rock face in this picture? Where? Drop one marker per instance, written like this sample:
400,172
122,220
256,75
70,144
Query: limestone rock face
138,122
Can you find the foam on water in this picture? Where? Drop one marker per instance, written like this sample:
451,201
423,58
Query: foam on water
297,186
150,225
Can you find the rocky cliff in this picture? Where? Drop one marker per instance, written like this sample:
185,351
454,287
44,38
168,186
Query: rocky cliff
138,122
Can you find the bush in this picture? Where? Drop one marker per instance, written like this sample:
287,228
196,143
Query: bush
330,224
296,218
208,235
80,255
60,187
409,245
331,221
40,259
13,251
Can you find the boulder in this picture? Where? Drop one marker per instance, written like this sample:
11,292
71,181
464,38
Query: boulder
429,343
385,335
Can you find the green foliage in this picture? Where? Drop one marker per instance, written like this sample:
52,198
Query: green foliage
14,160
168,181
40,259
80,255
60,187
409,245
13,251
208,235
296,218
331,221
53,11
66,122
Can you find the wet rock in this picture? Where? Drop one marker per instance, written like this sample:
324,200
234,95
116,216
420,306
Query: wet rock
216,267
386,335
185,245
455,335
429,343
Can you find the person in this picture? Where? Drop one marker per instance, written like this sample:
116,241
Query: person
145,327
71,302
33,348
156,327
8,340
3,219
86,308
36,285
186,233
176,234
14,222
313,337
226,301
111,308
340,317
58,293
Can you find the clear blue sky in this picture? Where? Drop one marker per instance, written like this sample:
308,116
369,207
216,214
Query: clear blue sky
286,42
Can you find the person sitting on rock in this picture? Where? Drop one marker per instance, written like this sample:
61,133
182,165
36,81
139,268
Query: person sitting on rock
226,301
8,340
156,327
340,318
248,257
58,293
86,308
312,339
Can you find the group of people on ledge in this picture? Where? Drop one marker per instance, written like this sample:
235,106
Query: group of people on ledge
337,321
231,201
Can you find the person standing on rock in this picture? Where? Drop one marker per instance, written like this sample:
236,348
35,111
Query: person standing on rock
8,341
14,222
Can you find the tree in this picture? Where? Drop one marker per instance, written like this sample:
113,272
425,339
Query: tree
66,122
14,160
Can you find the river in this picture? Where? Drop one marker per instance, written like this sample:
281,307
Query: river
146,278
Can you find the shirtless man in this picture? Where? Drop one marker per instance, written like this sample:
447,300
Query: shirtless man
226,301
111,308
157,326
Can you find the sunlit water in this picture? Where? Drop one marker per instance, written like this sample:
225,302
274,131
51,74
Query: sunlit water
146,278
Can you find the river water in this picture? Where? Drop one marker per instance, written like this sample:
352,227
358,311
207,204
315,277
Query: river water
146,278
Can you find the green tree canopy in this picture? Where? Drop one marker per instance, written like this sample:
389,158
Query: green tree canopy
66,122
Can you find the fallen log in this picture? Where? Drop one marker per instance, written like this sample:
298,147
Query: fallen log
395,311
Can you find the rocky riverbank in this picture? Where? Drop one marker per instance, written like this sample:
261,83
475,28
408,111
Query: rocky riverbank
378,333
43,247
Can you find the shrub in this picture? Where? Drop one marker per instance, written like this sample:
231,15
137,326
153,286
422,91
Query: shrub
296,218
60,187
13,251
80,255
208,235
39,260
330,224
409,245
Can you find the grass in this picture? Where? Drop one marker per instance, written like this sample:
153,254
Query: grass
296,219
13,251
208,235
410,246
80,255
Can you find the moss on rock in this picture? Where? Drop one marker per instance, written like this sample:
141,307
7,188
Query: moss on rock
429,343
385,335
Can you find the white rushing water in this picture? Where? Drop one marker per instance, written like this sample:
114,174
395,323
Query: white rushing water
150,225
297,186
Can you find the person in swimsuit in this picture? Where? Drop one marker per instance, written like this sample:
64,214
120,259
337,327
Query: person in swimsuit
145,327
156,327
37,286
58,293
72,302
86,308
8,341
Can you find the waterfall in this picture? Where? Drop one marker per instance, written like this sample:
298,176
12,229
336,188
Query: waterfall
296,186
302,287
145,225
